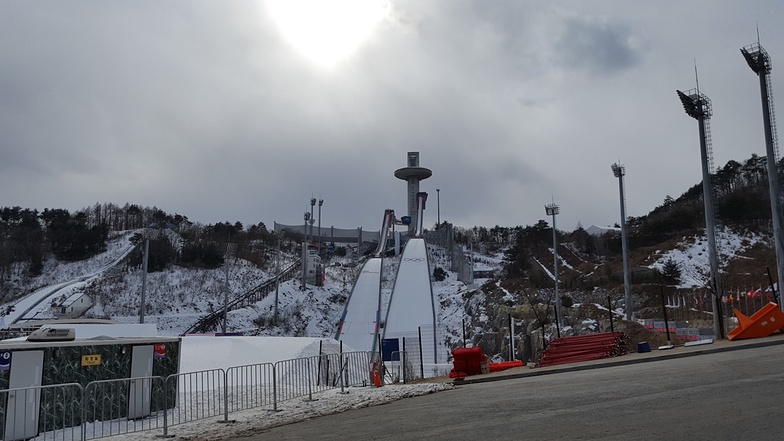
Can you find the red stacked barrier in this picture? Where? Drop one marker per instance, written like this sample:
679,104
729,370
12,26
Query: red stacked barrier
583,348
467,361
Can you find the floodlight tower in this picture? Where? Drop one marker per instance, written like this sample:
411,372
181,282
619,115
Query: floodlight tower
312,218
698,106
412,175
759,62
619,171
552,210
320,203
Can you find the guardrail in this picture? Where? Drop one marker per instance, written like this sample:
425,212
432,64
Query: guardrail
106,408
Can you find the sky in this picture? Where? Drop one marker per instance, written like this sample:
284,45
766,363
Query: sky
244,110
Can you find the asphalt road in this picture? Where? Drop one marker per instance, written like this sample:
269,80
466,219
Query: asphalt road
719,396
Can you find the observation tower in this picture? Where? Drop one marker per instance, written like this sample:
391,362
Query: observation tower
412,175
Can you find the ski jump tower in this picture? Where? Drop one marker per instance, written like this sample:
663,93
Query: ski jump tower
759,62
698,106
412,174
411,311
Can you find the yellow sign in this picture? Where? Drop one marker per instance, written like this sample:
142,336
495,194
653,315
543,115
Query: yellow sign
91,360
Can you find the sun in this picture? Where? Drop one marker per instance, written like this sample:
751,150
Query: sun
327,31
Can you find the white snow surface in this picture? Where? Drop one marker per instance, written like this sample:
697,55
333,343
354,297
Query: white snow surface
76,275
693,258
200,353
411,305
360,321
253,421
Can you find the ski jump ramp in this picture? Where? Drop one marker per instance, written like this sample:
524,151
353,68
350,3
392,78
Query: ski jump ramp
358,328
411,307
359,324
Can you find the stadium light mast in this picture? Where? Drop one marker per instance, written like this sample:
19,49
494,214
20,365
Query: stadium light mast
619,171
320,203
312,217
552,210
304,258
698,106
759,62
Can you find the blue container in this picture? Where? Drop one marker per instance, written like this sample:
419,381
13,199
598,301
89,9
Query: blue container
643,346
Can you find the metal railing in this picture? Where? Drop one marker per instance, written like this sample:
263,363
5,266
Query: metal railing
250,386
54,410
196,395
120,406
106,408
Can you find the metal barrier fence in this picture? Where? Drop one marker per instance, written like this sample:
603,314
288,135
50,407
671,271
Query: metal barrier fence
119,406
250,386
301,376
113,407
193,396
401,368
54,410
356,368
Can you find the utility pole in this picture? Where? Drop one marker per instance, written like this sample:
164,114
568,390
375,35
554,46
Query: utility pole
553,210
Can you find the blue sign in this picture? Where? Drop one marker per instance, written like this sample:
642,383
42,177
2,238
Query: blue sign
390,349
5,361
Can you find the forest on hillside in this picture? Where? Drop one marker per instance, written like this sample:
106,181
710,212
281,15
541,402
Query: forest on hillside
29,237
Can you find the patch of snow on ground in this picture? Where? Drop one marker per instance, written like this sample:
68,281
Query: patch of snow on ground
693,259
253,421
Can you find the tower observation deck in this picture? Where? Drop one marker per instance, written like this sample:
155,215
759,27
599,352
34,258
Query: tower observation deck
412,175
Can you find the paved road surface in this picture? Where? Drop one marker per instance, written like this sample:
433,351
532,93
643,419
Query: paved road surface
718,396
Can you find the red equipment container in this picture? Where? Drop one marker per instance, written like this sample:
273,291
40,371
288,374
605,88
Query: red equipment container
468,360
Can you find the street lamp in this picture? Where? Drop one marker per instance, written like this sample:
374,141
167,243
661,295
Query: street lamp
619,171
552,210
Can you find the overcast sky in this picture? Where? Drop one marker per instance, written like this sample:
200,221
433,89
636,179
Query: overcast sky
220,111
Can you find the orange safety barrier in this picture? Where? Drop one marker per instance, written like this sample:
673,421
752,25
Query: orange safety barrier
764,322
503,365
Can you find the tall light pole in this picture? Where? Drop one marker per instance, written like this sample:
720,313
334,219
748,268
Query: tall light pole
759,61
619,171
552,210
320,203
699,107
438,206
312,218
304,258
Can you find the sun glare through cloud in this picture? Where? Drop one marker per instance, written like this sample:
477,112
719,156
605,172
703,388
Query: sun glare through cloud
327,31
